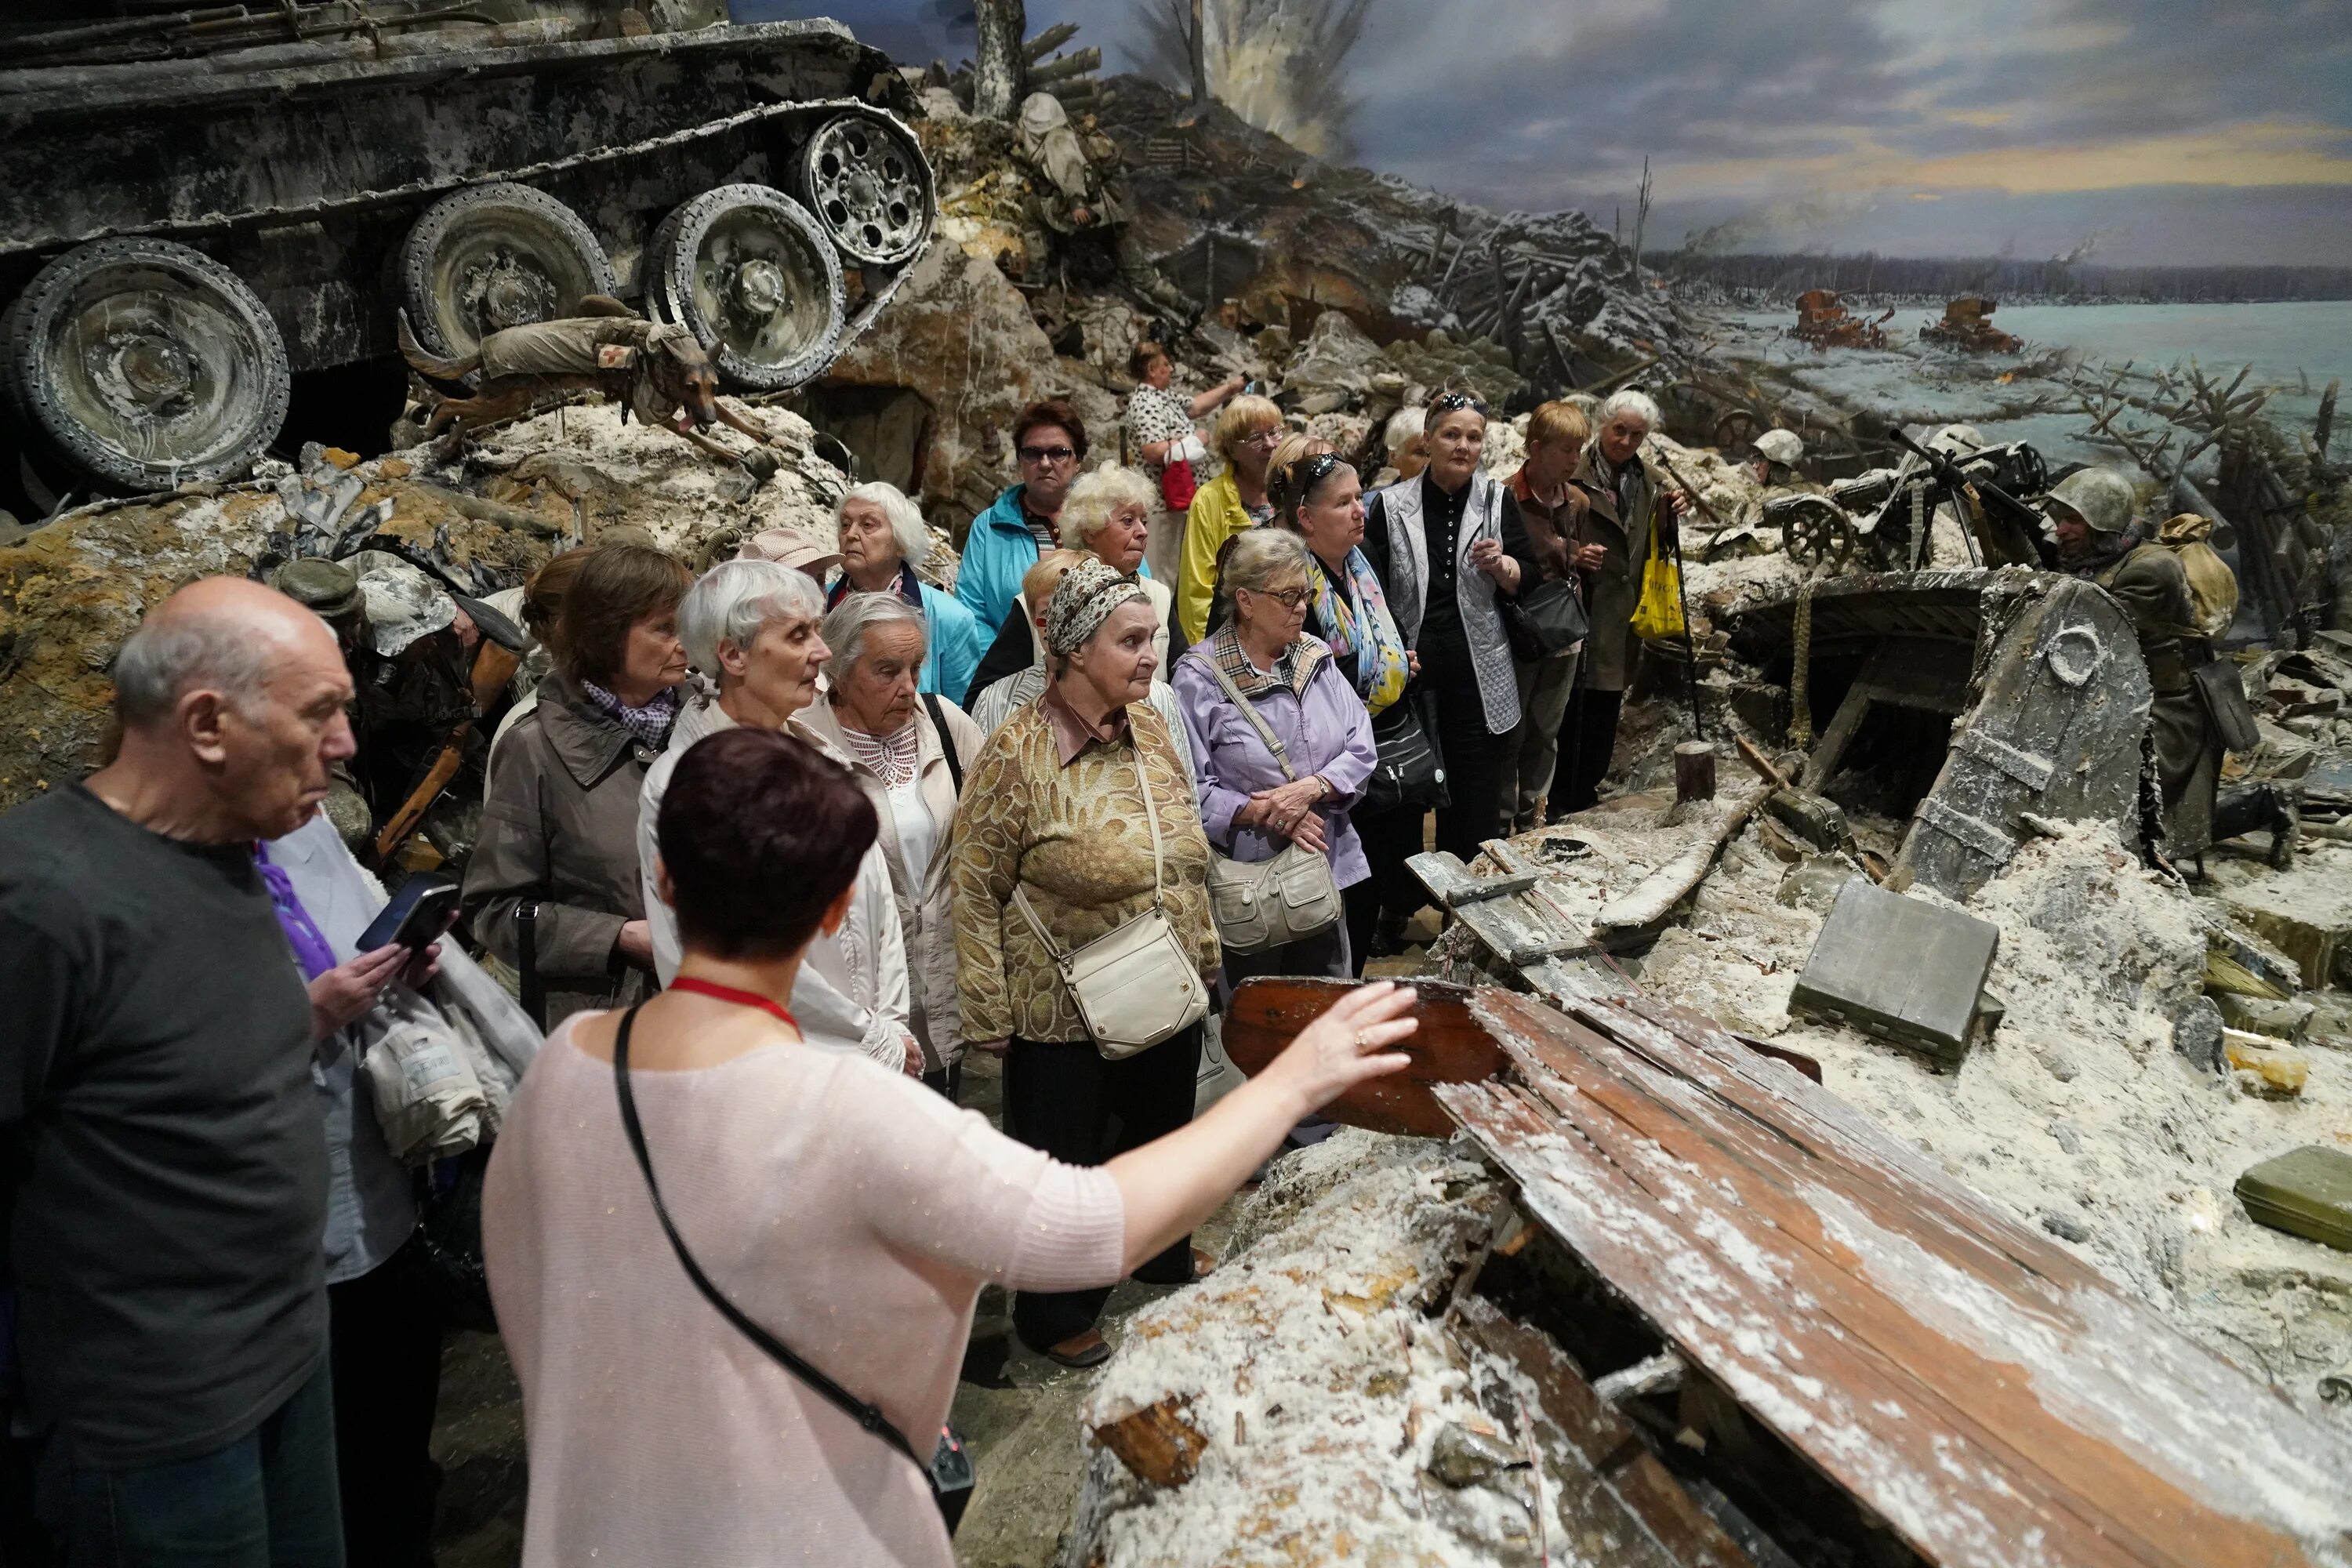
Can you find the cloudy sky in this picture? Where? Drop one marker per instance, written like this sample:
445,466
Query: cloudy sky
2151,130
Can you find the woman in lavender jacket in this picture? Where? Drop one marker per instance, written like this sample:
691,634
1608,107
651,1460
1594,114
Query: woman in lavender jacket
1249,809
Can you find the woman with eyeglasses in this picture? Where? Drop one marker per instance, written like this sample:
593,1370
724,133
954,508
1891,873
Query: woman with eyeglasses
1252,808
1448,548
1049,441
1247,432
1321,500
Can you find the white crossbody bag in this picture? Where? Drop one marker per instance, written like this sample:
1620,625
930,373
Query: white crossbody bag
1261,904
1135,987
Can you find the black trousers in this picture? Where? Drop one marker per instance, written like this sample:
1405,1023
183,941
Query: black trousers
1064,1097
1390,839
1588,739
1473,755
385,1342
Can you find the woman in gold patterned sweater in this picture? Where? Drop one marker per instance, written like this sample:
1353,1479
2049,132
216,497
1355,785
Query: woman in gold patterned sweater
1053,807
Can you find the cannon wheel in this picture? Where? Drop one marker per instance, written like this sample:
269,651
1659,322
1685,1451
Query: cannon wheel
867,183
146,364
748,271
1815,532
1736,430
493,256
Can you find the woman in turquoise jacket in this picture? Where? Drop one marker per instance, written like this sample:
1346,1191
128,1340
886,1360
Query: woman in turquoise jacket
1049,441
883,539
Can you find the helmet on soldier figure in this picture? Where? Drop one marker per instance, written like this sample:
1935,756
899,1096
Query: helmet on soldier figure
1782,447
2102,498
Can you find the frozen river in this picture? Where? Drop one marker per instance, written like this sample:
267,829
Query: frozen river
2296,348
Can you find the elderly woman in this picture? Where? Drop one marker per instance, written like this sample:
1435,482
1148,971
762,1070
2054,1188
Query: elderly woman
1627,511
1057,811
1108,516
752,628
552,885
1322,502
883,540
1447,547
1553,509
1257,802
853,1217
1247,432
1162,433
910,751
1405,438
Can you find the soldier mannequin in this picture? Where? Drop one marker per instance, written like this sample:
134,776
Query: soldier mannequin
2092,512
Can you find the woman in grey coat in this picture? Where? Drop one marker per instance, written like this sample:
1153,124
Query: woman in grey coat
559,843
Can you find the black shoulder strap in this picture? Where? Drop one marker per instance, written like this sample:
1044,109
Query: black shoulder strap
866,1415
947,742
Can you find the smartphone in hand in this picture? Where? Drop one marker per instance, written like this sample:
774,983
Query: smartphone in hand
418,916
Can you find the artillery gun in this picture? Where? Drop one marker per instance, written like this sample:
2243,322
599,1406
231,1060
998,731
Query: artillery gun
196,207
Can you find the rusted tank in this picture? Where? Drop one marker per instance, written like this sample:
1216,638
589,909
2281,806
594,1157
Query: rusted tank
193,207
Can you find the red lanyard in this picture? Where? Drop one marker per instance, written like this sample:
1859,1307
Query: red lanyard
717,993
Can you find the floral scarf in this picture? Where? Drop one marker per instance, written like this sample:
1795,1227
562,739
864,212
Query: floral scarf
1361,624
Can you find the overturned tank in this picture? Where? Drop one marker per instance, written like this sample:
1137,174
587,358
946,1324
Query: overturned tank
196,207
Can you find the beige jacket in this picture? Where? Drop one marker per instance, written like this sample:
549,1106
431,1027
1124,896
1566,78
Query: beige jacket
925,894
1611,592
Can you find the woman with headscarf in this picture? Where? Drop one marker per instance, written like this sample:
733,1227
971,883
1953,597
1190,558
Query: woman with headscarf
1055,809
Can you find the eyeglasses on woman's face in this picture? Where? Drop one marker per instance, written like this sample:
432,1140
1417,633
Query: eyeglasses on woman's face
1264,440
1039,456
1288,598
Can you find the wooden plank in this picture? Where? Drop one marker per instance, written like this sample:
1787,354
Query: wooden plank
1620,1473
1990,1397
1451,1047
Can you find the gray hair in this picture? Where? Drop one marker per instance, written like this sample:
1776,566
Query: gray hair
734,599
846,627
1640,404
1087,509
1257,557
907,525
1405,427
169,655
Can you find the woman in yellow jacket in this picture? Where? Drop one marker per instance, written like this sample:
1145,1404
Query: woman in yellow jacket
1247,430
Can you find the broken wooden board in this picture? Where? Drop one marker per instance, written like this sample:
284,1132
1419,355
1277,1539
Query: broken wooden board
2056,734
1991,1397
1451,1047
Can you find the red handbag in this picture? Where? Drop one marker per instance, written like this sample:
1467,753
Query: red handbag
1176,486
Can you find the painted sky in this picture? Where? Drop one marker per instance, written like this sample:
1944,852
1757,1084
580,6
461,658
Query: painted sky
2149,130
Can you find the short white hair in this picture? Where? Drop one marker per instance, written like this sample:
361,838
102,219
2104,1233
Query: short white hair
1087,509
1640,404
1405,427
907,525
846,625
1257,557
734,599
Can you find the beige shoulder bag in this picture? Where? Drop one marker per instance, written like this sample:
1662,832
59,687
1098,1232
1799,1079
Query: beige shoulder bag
1261,904
1137,986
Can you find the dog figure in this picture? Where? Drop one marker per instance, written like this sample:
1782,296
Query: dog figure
655,370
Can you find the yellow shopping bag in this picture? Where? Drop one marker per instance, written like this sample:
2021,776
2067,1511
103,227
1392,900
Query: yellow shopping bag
1660,612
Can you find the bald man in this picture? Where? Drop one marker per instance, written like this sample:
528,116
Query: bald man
162,1161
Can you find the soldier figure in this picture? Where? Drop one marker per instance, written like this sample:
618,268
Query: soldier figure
2092,511
1773,460
1078,198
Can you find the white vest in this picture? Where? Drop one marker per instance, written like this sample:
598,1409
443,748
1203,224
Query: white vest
1474,591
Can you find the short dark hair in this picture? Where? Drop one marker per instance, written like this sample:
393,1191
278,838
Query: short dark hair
759,832
1139,364
618,585
1051,411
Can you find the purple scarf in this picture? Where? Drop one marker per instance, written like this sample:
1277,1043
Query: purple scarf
311,949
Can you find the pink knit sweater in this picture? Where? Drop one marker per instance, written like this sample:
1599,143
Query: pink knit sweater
850,1211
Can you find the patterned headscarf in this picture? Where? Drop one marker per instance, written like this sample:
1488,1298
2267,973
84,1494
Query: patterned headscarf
1082,601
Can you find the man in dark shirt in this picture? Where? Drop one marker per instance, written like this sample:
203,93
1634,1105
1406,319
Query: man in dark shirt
162,1165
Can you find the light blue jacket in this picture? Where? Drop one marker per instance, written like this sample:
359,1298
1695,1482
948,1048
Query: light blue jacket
997,552
956,644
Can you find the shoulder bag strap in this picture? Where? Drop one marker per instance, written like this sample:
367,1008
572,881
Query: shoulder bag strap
1249,711
947,742
1061,955
865,1414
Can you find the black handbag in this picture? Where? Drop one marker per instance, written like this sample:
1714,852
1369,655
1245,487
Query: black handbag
949,1469
1411,772
1546,619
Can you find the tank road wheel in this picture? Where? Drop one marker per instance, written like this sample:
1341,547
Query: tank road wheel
866,182
495,257
750,272
147,365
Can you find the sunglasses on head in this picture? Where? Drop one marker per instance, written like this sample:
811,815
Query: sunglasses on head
1446,403
1317,468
